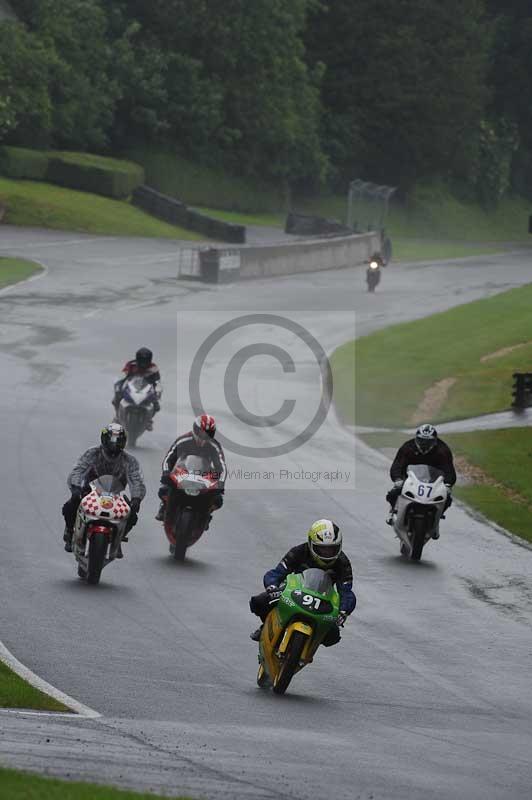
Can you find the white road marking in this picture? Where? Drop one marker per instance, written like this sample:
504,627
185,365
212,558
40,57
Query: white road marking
26,674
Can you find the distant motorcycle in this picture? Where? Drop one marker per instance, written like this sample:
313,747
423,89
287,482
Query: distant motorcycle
419,509
100,526
307,609
373,272
192,489
136,407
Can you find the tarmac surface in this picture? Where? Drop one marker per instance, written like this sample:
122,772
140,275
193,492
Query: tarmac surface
428,694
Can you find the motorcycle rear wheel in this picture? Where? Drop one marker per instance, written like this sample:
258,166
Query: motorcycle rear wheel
418,538
134,430
97,550
291,662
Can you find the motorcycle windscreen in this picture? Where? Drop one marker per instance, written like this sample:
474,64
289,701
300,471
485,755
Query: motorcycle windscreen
195,465
425,473
109,484
138,383
317,580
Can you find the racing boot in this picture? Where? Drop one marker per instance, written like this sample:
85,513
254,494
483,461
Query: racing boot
255,636
160,514
67,538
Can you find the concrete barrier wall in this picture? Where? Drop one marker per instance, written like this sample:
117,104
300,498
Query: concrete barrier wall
229,264
335,252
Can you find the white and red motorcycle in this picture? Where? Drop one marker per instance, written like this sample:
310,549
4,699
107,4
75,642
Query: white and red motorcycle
136,408
100,526
192,488
419,509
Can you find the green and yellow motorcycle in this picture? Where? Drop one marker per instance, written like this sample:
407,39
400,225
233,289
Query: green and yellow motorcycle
308,608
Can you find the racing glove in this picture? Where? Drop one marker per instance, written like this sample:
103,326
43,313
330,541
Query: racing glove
449,500
76,491
274,592
340,621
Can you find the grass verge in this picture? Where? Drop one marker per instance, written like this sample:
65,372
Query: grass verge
404,249
433,224
17,693
23,786
13,270
270,220
495,473
395,367
46,206
201,185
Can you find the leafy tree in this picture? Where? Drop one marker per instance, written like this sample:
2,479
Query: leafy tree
405,84
511,79
82,89
25,104
237,83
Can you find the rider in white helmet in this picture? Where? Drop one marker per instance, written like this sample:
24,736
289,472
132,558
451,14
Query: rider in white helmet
323,549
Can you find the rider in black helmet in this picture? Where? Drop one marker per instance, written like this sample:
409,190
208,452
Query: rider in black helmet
425,448
143,366
109,458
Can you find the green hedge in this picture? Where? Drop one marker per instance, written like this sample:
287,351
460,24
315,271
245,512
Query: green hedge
17,162
90,173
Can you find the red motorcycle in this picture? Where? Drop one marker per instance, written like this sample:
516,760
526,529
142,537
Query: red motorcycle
191,497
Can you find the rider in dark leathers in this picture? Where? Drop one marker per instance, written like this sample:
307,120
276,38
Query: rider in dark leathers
108,459
200,442
143,366
322,550
425,448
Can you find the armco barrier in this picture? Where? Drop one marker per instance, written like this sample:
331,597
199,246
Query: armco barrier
177,213
310,225
219,264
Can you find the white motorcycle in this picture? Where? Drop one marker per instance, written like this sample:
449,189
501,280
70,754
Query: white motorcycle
136,407
100,526
419,508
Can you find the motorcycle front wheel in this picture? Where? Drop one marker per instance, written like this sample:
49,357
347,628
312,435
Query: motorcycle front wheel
262,677
97,550
418,537
135,427
290,663
182,533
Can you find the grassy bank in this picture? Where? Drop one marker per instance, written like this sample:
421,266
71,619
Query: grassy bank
13,270
396,366
24,786
43,205
200,185
432,224
495,473
500,481
17,693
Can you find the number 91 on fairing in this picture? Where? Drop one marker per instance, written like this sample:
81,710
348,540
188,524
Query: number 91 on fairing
318,605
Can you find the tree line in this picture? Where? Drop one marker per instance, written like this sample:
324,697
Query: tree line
299,91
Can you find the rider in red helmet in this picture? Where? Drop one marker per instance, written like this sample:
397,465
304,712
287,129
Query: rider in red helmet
199,441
